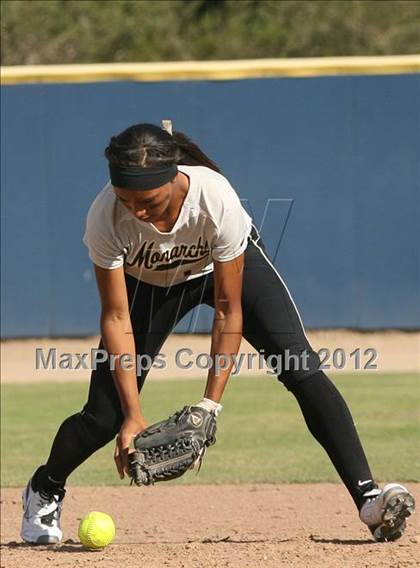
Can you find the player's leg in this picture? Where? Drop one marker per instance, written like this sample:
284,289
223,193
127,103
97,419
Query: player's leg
272,324
154,312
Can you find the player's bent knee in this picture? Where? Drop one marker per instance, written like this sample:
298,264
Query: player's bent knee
300,364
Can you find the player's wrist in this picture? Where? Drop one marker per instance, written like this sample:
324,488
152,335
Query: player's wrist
210,406
133,413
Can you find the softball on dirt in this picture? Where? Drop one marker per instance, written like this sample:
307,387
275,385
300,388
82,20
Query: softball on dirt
96,530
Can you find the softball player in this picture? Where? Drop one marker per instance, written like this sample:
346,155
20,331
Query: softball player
166,234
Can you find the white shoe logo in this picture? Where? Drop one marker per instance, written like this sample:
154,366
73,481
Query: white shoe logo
361,483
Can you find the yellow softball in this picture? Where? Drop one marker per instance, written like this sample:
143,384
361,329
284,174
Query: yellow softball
96,530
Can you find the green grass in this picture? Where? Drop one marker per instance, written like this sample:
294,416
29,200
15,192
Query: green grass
261,438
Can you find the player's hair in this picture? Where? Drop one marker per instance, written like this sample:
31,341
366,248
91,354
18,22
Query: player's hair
149,146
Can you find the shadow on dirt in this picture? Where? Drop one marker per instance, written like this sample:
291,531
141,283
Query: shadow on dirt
74,546
351,541
67,546
229,540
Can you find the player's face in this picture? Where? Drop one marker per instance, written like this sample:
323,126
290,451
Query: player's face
148,206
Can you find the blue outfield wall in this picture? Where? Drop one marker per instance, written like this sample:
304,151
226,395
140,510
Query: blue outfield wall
335,157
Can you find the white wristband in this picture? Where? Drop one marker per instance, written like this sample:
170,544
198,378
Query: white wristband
210,405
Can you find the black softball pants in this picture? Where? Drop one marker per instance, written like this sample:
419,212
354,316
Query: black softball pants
271,324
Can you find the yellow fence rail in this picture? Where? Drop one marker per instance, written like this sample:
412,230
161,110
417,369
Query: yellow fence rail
211,70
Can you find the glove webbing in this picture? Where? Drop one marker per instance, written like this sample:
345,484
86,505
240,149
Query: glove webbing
180,452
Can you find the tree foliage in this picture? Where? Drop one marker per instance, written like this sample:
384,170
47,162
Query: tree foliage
87,31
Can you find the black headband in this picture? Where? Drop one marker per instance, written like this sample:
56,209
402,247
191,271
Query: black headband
137,178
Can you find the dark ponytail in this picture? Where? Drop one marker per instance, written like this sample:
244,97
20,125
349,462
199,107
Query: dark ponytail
191,154
149,146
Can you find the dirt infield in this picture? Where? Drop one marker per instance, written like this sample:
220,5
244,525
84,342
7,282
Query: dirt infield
213,527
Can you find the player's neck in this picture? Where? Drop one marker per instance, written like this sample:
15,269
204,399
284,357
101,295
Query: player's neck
174,210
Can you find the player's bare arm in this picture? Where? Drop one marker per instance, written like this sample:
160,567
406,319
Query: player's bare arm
227,323
117,335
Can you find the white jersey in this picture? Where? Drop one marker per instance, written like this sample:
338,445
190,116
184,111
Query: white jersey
212,225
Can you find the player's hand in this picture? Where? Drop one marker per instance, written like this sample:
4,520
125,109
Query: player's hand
129,429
